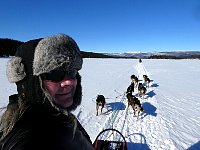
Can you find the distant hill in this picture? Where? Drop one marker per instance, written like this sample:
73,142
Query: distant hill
159,55
8,48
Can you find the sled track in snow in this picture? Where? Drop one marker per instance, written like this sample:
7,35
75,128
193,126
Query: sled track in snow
119,119
113,117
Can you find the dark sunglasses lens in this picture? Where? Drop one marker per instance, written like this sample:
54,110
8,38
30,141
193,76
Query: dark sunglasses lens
72,74
56,76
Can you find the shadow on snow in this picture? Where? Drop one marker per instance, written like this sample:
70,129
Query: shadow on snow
149,109
154,85
150,94
114,106
196,146
132,145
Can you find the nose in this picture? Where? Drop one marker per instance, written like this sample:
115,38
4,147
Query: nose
68,82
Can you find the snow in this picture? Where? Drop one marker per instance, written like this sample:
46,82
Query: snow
171,119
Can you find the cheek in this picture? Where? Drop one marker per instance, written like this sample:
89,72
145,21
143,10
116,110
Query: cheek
75,83
50,87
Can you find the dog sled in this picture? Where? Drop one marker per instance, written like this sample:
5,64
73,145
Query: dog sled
110,139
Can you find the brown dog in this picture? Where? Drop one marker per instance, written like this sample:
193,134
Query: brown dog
100,101
134,102
141,90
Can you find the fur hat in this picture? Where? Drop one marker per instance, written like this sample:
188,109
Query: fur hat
44,55
39,56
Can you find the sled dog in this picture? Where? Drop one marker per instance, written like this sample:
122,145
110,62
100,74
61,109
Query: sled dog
134,102
135,80
130,88
146,80
100,101
141,90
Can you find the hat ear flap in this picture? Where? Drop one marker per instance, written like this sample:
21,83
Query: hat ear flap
15,70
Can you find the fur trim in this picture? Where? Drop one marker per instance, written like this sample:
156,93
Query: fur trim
55,52
15,70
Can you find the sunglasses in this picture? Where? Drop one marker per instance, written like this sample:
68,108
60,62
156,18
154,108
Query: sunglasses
57,76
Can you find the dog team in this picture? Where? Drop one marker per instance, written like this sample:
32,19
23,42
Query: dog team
132,100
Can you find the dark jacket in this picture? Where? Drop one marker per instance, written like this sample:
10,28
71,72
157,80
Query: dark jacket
40,128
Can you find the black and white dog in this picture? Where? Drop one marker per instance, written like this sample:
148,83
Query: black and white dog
134,80
100,101
146,80
130,88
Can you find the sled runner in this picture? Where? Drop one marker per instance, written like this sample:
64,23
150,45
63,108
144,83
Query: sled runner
113,141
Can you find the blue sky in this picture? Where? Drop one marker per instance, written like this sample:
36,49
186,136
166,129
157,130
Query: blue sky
106,25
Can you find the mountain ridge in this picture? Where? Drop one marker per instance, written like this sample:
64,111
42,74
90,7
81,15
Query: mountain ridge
158,55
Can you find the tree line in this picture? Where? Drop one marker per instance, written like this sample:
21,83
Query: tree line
8,47
174,57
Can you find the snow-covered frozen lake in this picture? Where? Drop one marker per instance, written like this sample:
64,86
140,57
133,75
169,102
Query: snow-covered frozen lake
171,119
